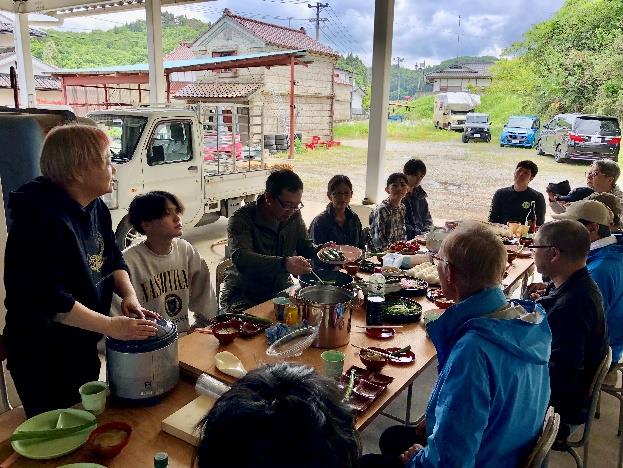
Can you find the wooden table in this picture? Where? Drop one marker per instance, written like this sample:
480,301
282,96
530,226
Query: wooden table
147,439
196,352
519,270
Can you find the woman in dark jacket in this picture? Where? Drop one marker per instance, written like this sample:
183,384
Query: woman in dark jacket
338,223
61,268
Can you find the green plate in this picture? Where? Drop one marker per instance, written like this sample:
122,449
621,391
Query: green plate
82,465
55,419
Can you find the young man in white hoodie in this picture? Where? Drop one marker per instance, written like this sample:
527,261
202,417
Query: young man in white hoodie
168,273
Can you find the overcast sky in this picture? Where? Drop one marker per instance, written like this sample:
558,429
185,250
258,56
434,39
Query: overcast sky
424,30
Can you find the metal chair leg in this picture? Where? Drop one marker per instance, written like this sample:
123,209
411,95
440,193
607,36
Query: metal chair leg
409,394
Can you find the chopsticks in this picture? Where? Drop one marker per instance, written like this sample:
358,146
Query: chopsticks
379,326
317,277
374,351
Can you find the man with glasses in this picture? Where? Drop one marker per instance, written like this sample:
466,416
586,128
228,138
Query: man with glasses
601,177
575,314
605,264
268,242
489,401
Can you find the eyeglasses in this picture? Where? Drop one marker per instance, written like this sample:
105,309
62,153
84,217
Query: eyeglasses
592,174
436,259
545,247
289,206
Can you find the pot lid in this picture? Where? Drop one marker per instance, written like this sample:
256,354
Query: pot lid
166,333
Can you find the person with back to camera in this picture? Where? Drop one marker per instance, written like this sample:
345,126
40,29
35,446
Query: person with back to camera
61,267
279,416
488,404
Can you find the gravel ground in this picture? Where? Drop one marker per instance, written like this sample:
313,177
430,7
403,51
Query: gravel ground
460,181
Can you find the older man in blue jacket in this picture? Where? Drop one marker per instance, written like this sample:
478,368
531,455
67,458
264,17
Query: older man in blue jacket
489,402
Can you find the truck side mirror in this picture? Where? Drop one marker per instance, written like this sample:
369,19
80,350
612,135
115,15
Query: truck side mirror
157,154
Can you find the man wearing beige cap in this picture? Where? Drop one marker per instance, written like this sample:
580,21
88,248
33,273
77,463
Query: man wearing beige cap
605,264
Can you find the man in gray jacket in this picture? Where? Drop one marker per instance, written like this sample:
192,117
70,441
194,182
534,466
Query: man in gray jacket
268,242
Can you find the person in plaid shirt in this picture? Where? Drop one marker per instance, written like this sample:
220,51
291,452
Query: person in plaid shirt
387,221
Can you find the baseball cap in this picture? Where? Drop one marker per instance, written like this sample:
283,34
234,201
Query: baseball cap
588,210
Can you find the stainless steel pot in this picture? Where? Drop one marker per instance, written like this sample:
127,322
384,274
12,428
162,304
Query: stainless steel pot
144,370
330,309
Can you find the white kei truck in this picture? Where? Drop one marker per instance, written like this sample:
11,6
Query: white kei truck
208,155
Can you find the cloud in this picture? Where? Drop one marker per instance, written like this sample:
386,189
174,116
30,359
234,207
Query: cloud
423,29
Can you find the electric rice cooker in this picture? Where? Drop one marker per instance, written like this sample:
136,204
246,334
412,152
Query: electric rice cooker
144,370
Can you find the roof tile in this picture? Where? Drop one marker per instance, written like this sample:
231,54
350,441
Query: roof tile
217,90
282,36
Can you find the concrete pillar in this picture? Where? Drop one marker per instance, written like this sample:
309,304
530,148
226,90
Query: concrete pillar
154,52
25,74
381,62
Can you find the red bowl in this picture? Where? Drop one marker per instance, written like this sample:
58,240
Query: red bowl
108,444
351,268
373,365
226,332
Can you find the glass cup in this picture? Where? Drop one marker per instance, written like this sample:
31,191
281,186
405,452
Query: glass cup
280,304
333,363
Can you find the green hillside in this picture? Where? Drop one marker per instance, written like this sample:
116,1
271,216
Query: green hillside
121,45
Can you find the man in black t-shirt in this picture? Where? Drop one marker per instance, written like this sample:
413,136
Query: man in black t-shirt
513,203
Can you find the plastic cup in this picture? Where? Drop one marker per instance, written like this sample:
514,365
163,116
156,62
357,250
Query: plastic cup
93,395
280,304
333,363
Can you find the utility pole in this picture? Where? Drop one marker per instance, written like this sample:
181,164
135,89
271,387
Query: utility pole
318,6
399,60
458,39
290,18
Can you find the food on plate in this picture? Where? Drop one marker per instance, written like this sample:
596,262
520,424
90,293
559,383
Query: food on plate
391,271
436,295
111,438
331,254
405,248
425,271
402,307
372,356
374,362
415,283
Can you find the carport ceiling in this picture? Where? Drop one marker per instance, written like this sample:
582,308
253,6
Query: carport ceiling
71,8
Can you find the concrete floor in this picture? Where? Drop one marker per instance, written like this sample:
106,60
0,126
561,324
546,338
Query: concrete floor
604,442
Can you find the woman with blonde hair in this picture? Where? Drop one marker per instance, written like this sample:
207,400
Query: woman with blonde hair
61,268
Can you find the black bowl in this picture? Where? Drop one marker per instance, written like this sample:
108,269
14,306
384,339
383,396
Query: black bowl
332,277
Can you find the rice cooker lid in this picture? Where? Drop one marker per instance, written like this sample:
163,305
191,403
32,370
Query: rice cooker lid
165,335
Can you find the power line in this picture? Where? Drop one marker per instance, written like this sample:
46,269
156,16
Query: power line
344,28
318,6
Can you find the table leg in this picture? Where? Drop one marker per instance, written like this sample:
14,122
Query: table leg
407,420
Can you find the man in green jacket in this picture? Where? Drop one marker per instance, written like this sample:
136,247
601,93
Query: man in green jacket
268,242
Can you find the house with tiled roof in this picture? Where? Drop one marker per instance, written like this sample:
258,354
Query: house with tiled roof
314,90
48,88
460,77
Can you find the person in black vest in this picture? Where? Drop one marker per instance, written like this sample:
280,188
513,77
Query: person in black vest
61,267
512,204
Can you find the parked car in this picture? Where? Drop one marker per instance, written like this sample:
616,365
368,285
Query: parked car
451,108
477,127
580,136
520,130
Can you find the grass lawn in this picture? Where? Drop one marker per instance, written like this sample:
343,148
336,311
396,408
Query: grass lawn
419,130
460,181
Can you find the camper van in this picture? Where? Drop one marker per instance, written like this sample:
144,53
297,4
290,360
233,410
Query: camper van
451,108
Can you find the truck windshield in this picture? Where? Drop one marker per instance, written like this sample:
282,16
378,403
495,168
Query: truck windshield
520,122
124,132
478,119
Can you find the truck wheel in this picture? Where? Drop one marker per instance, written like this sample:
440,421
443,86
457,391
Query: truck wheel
464,139
126,235
501,145
436,124
559,156
487,138
539,149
